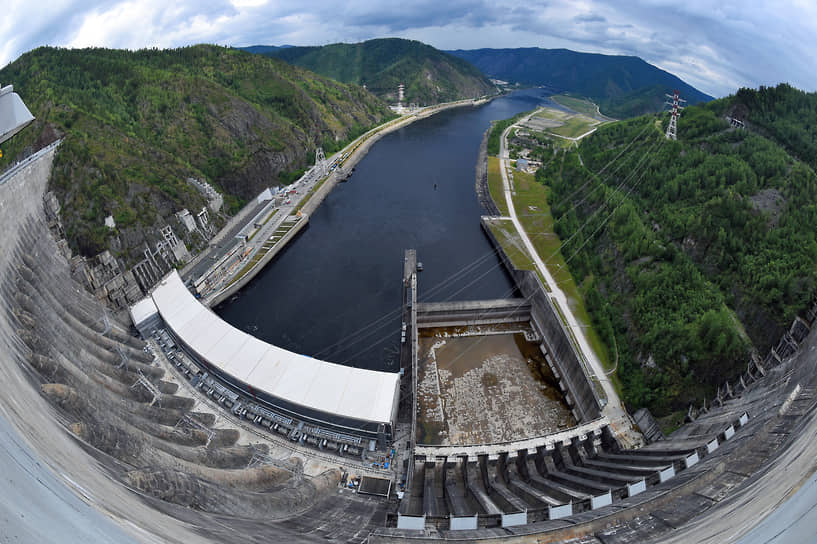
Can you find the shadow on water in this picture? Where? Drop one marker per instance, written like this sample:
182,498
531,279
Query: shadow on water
335,292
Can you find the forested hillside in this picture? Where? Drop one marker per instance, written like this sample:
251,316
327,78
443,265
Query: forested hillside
622,86
136,125
783,113
429,75
692,253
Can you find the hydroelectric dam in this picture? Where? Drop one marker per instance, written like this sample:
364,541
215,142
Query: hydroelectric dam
107,439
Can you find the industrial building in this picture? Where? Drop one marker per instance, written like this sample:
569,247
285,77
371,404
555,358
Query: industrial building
338,399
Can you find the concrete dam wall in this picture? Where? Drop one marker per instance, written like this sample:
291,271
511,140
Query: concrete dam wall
95,415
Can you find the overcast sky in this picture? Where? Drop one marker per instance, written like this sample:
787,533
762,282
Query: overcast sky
717,46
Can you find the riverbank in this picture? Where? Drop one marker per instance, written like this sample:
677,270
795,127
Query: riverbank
360,147
257,253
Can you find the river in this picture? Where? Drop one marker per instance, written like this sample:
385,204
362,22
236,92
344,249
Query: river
335,292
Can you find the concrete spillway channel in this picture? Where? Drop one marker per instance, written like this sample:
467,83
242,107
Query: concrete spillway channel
100,398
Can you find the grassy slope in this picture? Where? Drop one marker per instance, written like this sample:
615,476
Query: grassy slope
580,105
430,76
533,210
138,124
495,185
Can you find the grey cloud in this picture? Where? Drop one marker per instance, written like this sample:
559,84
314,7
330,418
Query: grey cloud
715,48
589,18
426,13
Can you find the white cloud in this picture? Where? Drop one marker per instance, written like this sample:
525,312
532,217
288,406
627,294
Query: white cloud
715,47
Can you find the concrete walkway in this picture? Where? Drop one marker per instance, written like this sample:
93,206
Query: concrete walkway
619,419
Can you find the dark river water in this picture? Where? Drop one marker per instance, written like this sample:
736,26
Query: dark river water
335,292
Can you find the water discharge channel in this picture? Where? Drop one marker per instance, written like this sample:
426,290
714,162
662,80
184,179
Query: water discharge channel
334,293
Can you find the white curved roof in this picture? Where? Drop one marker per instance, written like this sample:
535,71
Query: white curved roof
358,393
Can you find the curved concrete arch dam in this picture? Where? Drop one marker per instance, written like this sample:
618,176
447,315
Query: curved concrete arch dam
89,456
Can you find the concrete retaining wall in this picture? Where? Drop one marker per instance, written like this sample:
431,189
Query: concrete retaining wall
478,312
556,343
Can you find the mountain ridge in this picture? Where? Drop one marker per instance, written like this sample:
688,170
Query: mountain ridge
622,85
137,124
709,253
430,76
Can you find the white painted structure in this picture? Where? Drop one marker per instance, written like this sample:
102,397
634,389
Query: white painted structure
14,115
331,389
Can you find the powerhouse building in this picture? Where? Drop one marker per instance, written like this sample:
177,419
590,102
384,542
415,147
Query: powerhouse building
333,397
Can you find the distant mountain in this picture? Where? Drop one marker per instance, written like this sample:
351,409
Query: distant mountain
430,76
263,49
137,125
623,86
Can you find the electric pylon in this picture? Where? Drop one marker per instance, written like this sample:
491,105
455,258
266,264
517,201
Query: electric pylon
675,103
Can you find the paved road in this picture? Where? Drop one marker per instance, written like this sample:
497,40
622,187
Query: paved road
613,409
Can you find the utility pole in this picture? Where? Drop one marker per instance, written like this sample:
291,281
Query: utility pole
675,102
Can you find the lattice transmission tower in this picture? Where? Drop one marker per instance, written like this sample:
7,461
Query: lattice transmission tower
674,101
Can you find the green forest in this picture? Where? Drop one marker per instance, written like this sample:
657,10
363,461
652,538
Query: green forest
692,253
137,124
430,76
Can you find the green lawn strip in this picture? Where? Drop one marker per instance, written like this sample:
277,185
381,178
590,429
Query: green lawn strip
508,238
579,105
574,127
538,223
553,114
495,186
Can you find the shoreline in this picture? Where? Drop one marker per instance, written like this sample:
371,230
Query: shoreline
310,202
362,148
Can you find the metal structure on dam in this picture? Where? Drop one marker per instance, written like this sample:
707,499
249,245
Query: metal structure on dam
106,440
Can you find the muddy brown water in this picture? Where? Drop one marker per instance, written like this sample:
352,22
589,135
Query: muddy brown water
487,388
